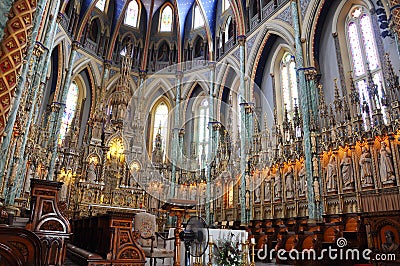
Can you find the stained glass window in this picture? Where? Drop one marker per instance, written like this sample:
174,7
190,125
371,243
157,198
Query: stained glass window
203,133
69,111
166,19
132,14
289,82
198,20
225,5
161,123
363,54
101,4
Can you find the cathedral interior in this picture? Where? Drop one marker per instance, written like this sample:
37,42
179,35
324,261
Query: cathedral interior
280,118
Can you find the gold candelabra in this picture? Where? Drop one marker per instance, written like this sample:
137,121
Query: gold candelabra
245,253
252,244
210,253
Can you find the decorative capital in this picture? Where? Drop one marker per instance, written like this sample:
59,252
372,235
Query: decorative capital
142,73
179,74
75,45
241,39
107,64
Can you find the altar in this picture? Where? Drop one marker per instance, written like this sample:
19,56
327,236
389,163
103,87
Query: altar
216,234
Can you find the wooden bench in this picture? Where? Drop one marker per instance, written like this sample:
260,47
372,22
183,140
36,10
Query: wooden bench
104,240
19,247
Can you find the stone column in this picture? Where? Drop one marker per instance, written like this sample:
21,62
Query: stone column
11,87
210,141
175,138
37,88
243,135
306,106
57,115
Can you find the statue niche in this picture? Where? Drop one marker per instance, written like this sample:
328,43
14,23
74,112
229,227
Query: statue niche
386,169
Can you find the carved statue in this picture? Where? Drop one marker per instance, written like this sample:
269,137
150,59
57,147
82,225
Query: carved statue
289,179
390,246
347,171
386,169
317,195
267,191
302,180
331,174
257,194
91,173
278,184
366,167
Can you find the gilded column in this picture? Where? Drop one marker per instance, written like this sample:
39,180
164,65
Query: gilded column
306,106
13,69
58,112
243,134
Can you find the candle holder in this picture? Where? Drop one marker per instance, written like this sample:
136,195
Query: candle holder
210,253
252,244
245,252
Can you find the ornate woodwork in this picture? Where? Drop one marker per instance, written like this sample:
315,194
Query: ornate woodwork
47,222
19,247
112,240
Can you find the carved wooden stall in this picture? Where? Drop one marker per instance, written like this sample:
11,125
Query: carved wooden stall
112,241
47,222
19,247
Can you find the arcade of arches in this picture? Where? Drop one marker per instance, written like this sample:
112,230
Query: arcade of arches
279,117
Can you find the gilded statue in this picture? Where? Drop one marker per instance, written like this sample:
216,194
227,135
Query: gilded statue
386,169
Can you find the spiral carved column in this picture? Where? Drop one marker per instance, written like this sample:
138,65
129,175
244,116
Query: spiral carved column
12,51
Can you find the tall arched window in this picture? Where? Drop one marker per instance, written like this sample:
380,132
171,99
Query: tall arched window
166,19
132,14
363,52
69,111
288,82
202,131
198,20
101,4
225,5
160,123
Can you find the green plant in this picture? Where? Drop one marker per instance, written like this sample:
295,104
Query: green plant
227,251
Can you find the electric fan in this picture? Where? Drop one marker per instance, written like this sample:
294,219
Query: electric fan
195,237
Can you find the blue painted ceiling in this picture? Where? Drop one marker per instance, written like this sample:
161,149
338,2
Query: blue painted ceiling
209,8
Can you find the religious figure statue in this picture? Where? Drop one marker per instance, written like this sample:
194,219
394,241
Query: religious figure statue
278,184
302,180
289,185
257,193
390,246
317,194
347,171
386,169
331,174
267,191
366,167
91,173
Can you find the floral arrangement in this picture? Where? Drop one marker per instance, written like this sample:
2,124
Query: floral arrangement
227,251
